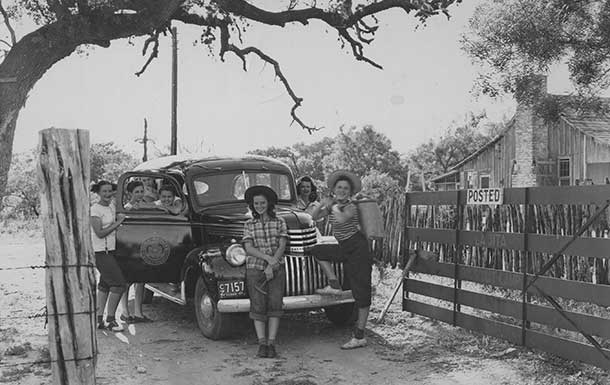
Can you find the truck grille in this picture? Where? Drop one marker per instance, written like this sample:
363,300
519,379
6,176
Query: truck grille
304,275
301,240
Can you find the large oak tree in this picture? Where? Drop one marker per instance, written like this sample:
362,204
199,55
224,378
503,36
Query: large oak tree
513,39
64,25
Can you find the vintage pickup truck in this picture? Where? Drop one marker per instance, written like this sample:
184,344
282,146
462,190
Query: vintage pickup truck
194,256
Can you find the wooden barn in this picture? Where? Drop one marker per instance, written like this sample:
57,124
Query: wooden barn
573,149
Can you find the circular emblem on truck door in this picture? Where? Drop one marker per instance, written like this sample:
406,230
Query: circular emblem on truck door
154,251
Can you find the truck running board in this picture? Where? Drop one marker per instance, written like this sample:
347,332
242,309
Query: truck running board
169,291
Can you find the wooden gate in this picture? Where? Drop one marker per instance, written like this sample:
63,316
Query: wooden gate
519,305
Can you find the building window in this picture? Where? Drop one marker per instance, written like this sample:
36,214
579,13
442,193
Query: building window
564,171
484,181
470,179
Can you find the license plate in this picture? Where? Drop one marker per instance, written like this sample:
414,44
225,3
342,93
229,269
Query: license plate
231,289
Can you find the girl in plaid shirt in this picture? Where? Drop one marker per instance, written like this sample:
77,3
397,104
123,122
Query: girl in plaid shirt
265,238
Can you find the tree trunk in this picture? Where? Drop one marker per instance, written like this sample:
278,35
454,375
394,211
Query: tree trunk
63,177
35,53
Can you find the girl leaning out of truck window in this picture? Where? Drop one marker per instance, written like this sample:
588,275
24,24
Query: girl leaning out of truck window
265,238
112,283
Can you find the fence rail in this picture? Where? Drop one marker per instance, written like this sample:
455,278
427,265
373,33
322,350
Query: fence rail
541,243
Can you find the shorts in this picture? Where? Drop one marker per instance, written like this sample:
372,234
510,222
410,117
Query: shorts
111,275
357,261
263,306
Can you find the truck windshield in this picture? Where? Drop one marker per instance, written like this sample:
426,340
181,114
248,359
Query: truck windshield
215,188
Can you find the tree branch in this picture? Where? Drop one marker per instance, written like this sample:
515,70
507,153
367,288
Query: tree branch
357,48
154,39
226,46
425,9
8,26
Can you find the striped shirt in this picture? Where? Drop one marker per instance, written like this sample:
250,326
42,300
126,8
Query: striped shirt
343,231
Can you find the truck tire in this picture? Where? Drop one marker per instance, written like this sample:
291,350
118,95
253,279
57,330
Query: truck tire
341,315
213,324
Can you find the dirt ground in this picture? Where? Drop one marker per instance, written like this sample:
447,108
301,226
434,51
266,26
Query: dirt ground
404,349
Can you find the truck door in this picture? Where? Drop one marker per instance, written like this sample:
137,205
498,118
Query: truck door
155,237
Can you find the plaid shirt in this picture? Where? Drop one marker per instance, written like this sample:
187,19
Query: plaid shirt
265,237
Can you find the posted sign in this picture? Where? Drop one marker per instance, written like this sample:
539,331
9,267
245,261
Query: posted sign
484,196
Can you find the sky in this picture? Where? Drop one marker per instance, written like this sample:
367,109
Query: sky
425,85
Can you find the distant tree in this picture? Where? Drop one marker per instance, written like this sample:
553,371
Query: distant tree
380,186
437,156
311,157
363,150
512,39
109,161
22,187
284,154
303,159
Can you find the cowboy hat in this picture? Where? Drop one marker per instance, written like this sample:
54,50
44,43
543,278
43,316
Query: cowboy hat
266,191
353,178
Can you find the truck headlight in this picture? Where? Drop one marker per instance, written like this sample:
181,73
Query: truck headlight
235,255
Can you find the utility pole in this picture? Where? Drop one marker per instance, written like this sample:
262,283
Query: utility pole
174,141
144,141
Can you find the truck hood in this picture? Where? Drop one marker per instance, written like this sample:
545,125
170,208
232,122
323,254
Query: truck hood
239,214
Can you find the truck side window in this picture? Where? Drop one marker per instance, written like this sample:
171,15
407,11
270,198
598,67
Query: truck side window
146,193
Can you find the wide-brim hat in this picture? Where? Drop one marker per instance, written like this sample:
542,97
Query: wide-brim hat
353,178
266,191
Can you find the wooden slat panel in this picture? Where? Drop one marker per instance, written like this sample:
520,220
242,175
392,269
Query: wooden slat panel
596,194
429,311
492,239
559,346
433,198
468,298
493,277
514,195
431,235
549,316
584,246
567,349
535,313
433,267
580,291
492,328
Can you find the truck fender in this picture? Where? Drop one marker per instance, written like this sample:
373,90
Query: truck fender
193,268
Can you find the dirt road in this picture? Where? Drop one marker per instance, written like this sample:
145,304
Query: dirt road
404,349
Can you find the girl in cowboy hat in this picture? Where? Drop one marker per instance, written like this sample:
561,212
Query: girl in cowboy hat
265,238
353,248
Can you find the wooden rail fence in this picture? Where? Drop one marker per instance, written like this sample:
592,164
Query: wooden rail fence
515,250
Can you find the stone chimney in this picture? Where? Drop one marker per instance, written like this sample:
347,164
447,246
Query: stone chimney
531,133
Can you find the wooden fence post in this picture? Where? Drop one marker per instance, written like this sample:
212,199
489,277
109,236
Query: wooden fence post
63,176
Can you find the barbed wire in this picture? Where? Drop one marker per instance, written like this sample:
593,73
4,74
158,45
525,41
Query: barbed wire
32,267
42,362
43,313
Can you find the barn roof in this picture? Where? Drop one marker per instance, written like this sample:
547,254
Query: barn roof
596,126
485,146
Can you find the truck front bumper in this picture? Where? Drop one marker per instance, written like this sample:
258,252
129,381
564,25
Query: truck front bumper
298,302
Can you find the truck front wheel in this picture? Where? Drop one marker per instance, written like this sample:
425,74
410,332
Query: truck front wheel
213,324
